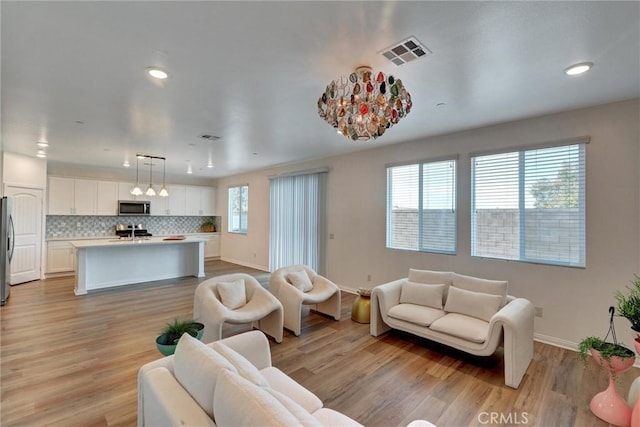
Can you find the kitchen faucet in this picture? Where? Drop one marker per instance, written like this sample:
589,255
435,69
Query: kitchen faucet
133,232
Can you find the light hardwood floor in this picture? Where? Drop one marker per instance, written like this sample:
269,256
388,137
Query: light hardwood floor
73,361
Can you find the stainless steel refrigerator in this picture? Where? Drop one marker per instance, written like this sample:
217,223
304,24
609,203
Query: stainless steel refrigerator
7,242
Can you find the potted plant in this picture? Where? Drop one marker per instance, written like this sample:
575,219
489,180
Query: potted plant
629,304
169,336
208,226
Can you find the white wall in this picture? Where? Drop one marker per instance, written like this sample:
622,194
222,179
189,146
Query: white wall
574,300
24,170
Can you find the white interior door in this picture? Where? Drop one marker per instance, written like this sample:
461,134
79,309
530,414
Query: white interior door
27,221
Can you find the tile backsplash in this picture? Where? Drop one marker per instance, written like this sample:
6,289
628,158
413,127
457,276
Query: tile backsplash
74,226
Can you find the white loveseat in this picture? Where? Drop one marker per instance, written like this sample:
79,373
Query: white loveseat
230,382
468,313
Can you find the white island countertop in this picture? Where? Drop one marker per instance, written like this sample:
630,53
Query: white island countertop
91,243
105,263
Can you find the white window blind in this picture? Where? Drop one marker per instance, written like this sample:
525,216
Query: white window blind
238,209
421,206
530,205
296,221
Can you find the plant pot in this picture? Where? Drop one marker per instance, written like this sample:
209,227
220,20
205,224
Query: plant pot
165,349
608,405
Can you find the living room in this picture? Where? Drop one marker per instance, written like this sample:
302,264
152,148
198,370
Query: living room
572,301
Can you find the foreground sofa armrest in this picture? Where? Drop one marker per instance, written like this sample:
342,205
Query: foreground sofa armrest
168,404
383,297
516,318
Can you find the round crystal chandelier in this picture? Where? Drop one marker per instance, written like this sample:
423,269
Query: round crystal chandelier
365,105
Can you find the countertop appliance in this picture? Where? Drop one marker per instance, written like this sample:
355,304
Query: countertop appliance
124,231
134,207
7,242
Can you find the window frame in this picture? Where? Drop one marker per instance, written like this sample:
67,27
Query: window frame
421,247
230,221
521,152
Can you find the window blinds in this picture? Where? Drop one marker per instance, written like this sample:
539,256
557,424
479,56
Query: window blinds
421,206
530,205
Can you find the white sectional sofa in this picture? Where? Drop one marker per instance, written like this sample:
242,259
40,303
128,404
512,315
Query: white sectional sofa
468,313
230,382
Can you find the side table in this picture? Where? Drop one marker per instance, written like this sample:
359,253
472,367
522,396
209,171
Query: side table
361,310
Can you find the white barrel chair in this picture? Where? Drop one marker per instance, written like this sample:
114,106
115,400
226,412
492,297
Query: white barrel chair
236,298
324,295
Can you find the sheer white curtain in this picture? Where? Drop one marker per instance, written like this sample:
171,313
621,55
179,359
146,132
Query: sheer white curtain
297,218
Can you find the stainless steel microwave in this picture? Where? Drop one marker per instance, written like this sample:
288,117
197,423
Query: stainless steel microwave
134,207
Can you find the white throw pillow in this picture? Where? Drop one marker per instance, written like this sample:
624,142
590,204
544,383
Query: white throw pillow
421,294
245,368
494,287
300,280
197,368
238,402
232,294
475,304
430,277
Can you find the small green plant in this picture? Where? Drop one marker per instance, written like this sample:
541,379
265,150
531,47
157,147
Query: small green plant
208,226
174,330
629,304
607,349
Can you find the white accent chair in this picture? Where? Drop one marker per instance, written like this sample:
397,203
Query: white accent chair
261,308
324,296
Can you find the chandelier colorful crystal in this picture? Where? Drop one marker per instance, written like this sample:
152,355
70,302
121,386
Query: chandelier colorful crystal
365,105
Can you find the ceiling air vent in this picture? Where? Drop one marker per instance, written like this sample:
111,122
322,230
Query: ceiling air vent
405,51
210,137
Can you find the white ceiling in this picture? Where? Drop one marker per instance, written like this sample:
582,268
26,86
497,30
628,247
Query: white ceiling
251,72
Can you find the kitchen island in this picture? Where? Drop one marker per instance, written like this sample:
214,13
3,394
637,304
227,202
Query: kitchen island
107,263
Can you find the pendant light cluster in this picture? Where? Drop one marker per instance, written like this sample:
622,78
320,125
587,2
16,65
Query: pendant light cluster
137,191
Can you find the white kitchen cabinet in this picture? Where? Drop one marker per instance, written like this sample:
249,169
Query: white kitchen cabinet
177,204
193,201
85,197
61,196
211,245
208,201
107,200
60,257
68,196
124,191
201,201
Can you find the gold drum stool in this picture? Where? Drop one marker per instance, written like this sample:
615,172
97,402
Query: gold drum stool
361,311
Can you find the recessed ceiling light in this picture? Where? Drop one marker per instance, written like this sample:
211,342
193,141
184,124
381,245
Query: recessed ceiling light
125,163
157,73
41,154
42,143
580,68
209,165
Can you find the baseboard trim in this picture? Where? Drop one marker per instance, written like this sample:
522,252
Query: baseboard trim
245,264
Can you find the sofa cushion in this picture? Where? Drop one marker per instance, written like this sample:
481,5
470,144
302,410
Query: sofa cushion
422,294
242,365
329,417
305,418
475,304
495,287
232,294
418,314
197,368
462,326
430,277
238,402
300,280
282,383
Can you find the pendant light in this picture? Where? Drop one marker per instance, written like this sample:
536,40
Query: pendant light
136,191
163,192
150,191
